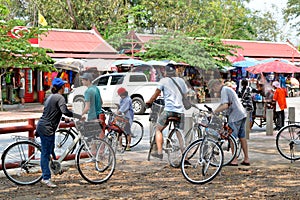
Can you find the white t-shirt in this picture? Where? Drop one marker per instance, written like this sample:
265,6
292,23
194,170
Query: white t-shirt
23,83
171,94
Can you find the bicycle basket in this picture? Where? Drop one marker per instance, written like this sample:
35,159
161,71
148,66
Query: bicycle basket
216,123
119,122
156,110
90,129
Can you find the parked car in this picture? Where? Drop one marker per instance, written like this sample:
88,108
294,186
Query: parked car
139,89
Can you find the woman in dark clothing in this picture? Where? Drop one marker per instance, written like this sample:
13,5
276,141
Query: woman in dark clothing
55,106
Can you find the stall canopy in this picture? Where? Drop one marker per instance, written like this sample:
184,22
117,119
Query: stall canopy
274,66
100,64
69,64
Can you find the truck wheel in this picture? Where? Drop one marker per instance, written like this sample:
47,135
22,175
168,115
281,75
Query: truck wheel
138,106
79,99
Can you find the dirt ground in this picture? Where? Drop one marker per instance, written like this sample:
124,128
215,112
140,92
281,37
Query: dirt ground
156,180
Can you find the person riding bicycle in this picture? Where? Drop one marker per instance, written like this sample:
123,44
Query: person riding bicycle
55,106
125,108
173,104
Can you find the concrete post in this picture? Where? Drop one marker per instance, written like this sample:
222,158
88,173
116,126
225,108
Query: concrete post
248,126
291,113
269,122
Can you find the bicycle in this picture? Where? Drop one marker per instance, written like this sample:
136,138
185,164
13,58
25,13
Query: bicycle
174,145
205,157
217,129
288,142
95,159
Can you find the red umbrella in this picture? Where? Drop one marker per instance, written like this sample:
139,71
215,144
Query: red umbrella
274,66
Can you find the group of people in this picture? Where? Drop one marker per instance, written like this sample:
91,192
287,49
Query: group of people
173,90
55,107
12,84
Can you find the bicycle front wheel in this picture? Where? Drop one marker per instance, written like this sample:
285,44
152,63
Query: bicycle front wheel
288,142
192,135
202,161
96,164
21,163
175,147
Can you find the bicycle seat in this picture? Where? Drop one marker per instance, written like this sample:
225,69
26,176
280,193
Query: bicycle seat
174,119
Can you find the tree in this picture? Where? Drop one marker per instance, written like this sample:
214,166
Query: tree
292,13
202,53
16,50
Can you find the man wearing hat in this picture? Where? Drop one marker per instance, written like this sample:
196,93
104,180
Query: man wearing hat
236,115
55,106
173,103
279,98
92,98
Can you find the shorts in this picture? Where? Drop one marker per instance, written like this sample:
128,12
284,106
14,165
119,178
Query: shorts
21,93
163,119
238,128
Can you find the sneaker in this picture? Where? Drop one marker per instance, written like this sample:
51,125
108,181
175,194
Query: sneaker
128,149
49,183
157,155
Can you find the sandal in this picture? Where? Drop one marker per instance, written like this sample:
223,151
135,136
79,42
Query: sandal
245,163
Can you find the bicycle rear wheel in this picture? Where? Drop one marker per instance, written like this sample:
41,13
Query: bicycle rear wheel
205,159
21,163
96,164
192,135
175,147
137,132
288,142
229,148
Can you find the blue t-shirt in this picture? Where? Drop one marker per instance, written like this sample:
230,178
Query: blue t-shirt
126,108
92,95
172,95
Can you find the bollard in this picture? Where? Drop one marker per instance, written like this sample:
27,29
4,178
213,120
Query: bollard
248,126
291,115
269,122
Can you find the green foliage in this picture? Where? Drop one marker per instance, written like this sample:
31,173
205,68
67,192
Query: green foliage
292,13
202,53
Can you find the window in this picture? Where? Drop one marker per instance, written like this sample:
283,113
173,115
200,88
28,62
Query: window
137,78
102,81
117,80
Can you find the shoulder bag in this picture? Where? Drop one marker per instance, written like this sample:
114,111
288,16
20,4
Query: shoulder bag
186,103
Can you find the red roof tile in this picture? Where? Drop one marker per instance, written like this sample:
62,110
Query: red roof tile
77,44
262,50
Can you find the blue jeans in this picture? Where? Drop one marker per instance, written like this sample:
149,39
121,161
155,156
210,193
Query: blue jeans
238,128
47,149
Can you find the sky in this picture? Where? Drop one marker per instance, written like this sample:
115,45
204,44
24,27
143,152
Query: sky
266,5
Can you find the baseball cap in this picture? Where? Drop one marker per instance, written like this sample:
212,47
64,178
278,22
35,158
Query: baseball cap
170,68
58,82
121,90
87,76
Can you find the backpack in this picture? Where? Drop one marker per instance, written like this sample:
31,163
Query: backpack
8,78
247,100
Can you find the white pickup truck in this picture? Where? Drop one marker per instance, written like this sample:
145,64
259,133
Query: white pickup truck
139,89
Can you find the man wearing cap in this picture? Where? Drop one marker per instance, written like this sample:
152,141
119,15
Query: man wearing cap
279,98
173,104
55,106
236,115
92,98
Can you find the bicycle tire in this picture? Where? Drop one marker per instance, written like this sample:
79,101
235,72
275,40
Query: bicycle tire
113,138
288,142
205,164
20,167
152,143
239,147
174,149
63,138
137,133
229,147
98,168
